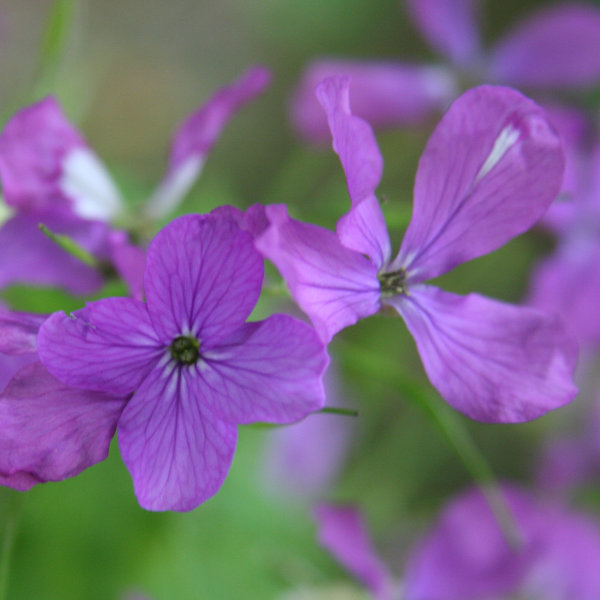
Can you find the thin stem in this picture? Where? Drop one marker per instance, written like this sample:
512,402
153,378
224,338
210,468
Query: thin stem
70,246
13,506
453,429
333,410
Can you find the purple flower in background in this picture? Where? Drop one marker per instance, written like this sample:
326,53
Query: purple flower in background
489,171
343,532
556,48
301,462
191,365
50,175
466,556
48,430
568,281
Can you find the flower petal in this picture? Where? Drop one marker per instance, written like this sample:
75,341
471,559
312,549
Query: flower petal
558,47
177,452
203,276
364,228
197,135
18,331
450,26
386,94
50,431
490,170
333,285
267,371
492,361
343,532
108,346
45,164
129,261
31,258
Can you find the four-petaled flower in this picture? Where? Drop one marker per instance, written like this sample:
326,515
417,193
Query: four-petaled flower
489,171
192,365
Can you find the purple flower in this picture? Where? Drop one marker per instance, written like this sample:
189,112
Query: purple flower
489,171
342,531
191,365
295,464
48,430
466,556
555,48
567,283
50,175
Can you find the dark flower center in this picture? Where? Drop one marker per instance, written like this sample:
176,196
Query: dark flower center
393,283
185,350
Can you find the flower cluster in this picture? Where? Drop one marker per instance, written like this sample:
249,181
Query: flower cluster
193,351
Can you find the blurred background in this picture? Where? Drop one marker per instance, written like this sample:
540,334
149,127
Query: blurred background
131,71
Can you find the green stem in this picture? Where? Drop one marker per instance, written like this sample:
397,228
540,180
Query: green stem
68,245
448,422
12,506
333,410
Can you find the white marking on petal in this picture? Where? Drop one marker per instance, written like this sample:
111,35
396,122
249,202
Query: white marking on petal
6,212
174,187
508,136
87,183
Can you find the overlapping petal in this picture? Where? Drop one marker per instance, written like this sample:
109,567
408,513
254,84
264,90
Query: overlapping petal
492,361
343,532
203,276
489,171
559,47
382,93
178,453
363,229
267,371
18,331
197,135
110,346
450,26
353,139
334,286
50,431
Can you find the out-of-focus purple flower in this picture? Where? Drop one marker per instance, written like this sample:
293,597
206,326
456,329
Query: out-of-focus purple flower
555,48
489,171
466,557
567,283
343,532
193,367
50,175
48,430
302,461
569,461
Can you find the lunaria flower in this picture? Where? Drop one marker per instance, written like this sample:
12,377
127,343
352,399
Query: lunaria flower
50,175
48,430
190,365
465,556
556,48
488,172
